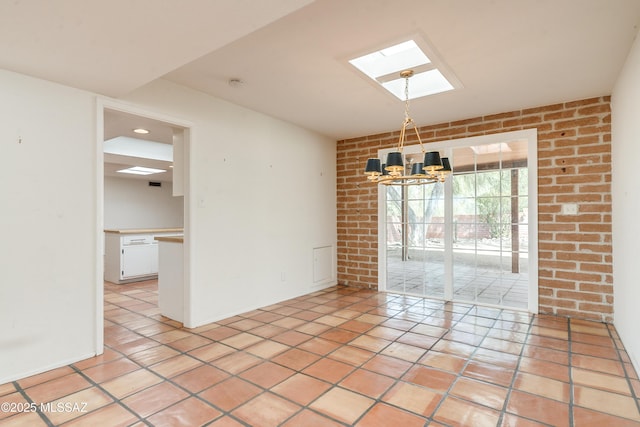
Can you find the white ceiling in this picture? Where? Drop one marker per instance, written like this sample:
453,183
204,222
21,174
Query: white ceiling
292,54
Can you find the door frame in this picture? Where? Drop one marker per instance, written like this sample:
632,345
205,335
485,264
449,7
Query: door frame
110,104
531,135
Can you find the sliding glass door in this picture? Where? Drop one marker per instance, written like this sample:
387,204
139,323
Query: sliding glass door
467,239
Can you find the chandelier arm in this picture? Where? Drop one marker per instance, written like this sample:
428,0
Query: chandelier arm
407,180
403,130
415,128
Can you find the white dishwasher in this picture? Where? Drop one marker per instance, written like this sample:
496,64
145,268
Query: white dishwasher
137,256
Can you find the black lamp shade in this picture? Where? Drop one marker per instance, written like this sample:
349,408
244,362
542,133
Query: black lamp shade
416,169
373,167
446,166
394,161
432,161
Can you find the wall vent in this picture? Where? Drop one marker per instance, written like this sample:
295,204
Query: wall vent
155,184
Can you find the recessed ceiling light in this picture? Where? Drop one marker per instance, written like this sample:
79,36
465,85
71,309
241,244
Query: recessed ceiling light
384,67
141,131
140,170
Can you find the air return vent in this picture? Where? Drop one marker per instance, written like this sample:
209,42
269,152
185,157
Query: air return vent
155,184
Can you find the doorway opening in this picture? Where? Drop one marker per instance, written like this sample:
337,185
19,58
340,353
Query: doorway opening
134,201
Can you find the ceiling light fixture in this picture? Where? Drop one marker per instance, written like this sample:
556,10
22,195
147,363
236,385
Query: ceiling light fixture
141,131
432,169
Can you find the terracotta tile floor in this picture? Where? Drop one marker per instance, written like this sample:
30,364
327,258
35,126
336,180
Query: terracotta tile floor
338,357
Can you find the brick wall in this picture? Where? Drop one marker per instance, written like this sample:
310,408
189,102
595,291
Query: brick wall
574,166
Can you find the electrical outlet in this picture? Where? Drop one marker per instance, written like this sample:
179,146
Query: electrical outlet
569,209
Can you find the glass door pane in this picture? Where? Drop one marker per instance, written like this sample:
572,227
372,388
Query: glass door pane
396,276
415,239
490,246
427,238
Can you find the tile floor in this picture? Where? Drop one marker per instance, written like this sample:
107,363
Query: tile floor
337,357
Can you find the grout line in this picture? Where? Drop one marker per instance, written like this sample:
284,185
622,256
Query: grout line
24,394
571,384
635,397
446,394
510,388
115,399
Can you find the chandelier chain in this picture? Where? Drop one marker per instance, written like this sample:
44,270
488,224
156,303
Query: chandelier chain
406,99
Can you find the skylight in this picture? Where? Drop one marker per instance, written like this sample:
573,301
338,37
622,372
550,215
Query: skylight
393,59
422,84
491,148
140,170
384,67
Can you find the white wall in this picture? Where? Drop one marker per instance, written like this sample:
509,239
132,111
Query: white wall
132,203
263,195
48,215
625,105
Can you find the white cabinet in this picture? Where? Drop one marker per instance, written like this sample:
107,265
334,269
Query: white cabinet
131,257
136,261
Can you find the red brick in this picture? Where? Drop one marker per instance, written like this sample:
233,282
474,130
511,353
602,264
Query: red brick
579,257
580,296
561,114
601,289
599,308
578,277
556,284
576,123
595,228
600,268
544,109
583,102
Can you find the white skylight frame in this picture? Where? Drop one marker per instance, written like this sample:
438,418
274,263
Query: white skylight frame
431,76
141,170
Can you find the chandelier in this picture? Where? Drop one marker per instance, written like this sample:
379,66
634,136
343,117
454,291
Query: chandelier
432,169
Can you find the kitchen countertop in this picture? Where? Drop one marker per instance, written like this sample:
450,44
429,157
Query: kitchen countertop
145,230
171,239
